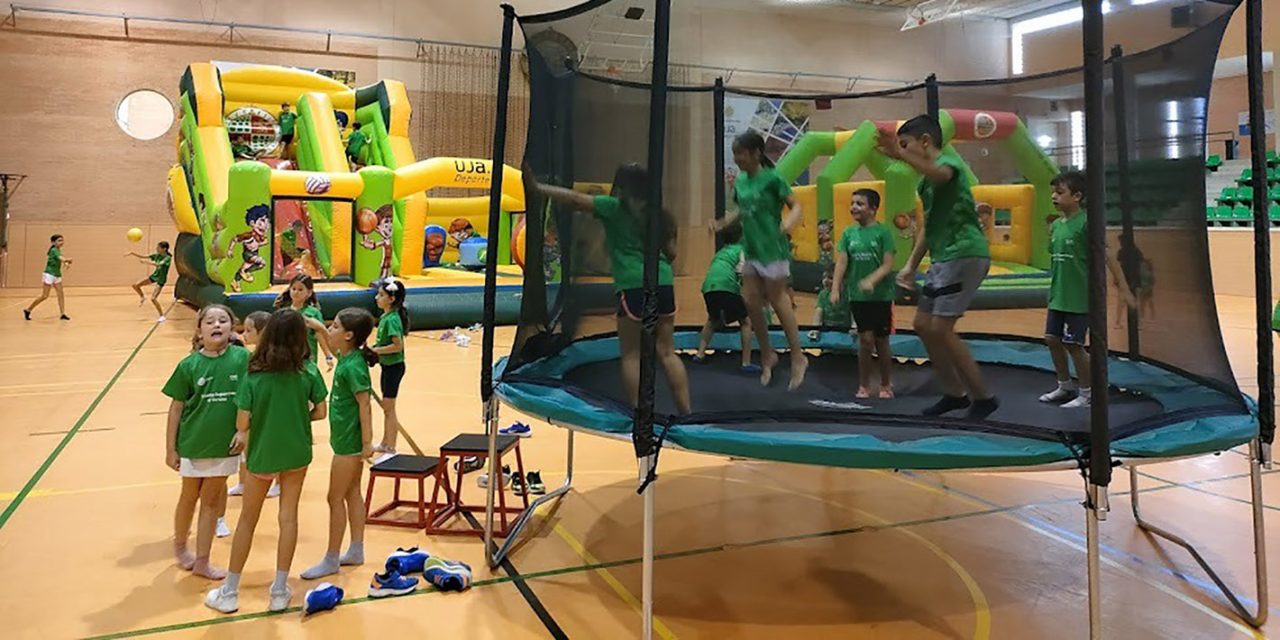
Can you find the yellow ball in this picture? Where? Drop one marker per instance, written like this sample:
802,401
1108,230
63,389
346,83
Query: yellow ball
135,235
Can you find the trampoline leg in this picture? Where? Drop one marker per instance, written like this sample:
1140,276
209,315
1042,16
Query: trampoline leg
646,580
490,429
1094,513
513,534
1259,540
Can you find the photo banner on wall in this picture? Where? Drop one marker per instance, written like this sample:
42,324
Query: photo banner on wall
779,122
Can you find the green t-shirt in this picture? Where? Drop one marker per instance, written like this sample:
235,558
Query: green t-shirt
722,273
241,150
162,262
951,228
866,248
53,262
350,377
279,406
356,142
286,122
760,200
206,386
837,315
313,312
390,326
1069,264
622,239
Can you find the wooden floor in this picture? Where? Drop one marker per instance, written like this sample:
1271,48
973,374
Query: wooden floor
747,549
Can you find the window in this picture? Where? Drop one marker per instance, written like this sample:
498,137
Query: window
144,114
1077,139
1172,129
1021,28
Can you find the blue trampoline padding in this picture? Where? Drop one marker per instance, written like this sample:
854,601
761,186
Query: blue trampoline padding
947,450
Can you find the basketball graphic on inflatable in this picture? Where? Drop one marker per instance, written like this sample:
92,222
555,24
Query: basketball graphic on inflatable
366,221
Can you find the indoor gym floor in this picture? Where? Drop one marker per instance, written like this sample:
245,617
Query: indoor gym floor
747,549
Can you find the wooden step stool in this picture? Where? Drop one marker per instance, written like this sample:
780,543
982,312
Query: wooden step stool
404,467
459,448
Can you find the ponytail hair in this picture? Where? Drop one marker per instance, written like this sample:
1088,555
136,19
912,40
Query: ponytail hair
396,291
360,323
751,140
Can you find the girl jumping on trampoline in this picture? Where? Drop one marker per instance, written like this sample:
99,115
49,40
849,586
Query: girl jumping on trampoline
201,425
623,213
761,196
277,401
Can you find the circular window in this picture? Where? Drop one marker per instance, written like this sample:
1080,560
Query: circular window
144,114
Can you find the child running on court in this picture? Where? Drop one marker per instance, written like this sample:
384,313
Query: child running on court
722,293
202,422
350,437
301,297
389,347
624,215
52,278
959,261
278,399
864,260
1067,322
161,260
761,196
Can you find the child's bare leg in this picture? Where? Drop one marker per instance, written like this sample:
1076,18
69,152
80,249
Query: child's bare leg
212,490
62,300
182,516
355,517
629,357
391,424
704,338
44,295
1080,358
341,472
753,295
1058,353
677,377
255,494
290,493
885,356
137,288
866,345
961,358
744,331
155,300
779,298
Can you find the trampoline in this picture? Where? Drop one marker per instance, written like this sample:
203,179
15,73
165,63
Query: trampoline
607,88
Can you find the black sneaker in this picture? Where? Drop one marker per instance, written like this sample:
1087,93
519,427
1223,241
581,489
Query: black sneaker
946,404
518,485
983,408
534,482
64,317
26,313
468,464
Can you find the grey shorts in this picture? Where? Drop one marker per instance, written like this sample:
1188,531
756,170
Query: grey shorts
949,286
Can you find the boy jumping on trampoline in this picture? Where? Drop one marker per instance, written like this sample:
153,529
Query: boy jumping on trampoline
1067,322
623,215
864,260
722,293
960,260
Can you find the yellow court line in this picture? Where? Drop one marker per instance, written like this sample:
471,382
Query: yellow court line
1114,564
617,586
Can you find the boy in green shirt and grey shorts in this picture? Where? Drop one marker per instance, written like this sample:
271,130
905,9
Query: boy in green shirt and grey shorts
960,259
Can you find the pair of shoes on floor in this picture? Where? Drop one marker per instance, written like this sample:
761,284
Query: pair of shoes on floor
324,597
517,429
483,480
445,575
225,600
531,484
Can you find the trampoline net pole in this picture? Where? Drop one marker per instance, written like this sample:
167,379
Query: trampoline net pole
491,268
1123,184
1261,227
717,113
1095,203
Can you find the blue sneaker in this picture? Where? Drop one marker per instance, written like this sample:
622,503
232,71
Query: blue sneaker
406,561
391,584
447,576
322,598
517,429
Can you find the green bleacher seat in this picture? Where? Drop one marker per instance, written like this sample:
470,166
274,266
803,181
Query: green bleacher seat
1274,193
1273,159
1274,212
1213,162
1245,177
1244,195
1242,214
1228,196
1223,214
1273,175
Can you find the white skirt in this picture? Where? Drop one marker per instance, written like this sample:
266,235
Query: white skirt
209,467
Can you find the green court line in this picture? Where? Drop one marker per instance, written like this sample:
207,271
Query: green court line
84,417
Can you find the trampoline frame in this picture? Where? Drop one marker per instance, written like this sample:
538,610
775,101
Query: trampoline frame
1097,474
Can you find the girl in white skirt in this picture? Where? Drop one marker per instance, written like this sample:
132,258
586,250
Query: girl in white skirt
202,422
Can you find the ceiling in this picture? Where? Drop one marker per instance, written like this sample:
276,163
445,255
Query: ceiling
1000,9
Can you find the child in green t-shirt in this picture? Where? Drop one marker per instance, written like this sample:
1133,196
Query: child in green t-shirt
959,259
355,145
722,294
240,148
286,120
864,260
301,297
350,437
278,400
393,326
1067,321
623,215
201,424
160,261
761,196
254,324
52,277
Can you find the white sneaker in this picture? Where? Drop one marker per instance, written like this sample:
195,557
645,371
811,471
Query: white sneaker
222,600
1058,395
237,490
1080,402
160,319
222,530
274,491
280,599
